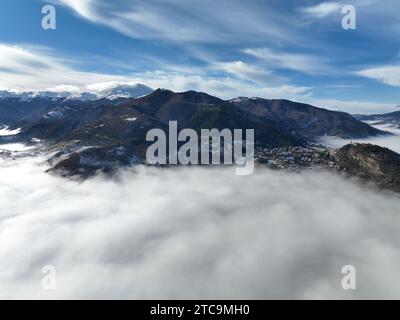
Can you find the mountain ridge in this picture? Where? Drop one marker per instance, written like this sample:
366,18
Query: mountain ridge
392,118
371,163
308,120
111,92
105,133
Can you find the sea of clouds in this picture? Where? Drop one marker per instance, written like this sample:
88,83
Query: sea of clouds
195,233
389,141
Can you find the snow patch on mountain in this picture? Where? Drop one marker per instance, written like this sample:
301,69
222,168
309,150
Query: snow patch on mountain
109,90
4,131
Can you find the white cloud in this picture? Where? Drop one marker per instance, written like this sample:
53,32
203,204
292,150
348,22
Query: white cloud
223,87
194,21
65,88
388,74
351,106
29,68
195,233
82,7
391,142
244,70
284,91
32,68
323,9
298,62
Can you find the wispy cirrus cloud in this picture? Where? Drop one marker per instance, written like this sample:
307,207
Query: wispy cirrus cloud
239,48
189,21
245,70
322,9
387,74
38,68
306,63
25,68
31,68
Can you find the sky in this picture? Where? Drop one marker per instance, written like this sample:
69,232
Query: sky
290,49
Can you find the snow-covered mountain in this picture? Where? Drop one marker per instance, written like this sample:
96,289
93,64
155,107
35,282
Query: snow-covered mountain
110,92
126,91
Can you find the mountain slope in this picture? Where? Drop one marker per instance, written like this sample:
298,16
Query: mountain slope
14,109
199,110
371,163
107,133
307,120
118,134
190,109
392,118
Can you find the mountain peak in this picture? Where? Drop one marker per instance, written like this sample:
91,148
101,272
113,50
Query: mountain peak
371,162
127,91
191,97
109,91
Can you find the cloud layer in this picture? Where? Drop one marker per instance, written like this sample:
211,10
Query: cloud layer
194,21
322,9
226,48
195,233
391,142
389,74
37,68
32,68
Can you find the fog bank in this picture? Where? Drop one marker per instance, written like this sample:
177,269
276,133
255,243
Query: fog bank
195,233
392,142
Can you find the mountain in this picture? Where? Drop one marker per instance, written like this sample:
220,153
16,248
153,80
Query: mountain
199,110
111,92
125,91
7,94
117,136
107,133
371,163
26,96
392,118
14,109
59,120
42,114
307,120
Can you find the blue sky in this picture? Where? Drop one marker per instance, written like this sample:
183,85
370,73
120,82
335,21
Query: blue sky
294,49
